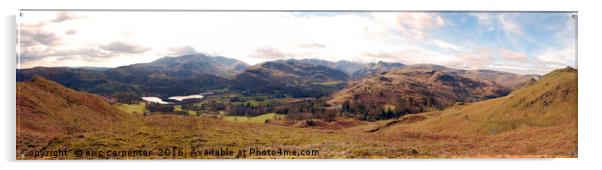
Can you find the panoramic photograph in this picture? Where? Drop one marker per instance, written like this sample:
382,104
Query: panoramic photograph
139,85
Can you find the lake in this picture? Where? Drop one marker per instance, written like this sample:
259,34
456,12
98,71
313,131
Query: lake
178,98
154,100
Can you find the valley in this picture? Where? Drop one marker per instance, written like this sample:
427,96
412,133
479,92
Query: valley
343,109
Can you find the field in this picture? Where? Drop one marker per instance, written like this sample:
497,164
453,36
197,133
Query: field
256,119
187,133
132,108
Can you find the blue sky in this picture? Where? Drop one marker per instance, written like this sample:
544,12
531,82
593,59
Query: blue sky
524,43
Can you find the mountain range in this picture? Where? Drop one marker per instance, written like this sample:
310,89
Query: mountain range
195,73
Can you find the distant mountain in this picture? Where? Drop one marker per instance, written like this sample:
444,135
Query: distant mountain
375,68
95,68
290,77
195,73
348,67
83,79
183,75
412,90
503,79
185,66
187,74
47,110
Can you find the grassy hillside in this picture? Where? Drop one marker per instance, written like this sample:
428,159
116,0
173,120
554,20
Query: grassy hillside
47,110
537,119
136,109
411,90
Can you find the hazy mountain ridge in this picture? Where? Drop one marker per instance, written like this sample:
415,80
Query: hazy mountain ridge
375,68
348,67
504,79
290,77
194,73
187,74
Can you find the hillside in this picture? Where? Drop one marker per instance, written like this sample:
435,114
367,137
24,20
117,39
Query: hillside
412,90
547,103
348,67
537,119
47,110
290,77
503,79
86,79
375,68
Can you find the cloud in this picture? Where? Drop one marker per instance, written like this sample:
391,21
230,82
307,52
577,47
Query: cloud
452,39
122,47
558,57
183,50
312,45
36,53
446,45
270,53
38,37
411,24
512,55
71,32
385,56
474,59
420,20
502,21
510,26
485,20
412,55
85,53
64,16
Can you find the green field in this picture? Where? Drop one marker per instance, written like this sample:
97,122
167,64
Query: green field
132,108
179,108
257,119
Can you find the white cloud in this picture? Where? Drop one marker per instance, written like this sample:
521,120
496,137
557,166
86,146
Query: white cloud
123,47
485,20
509,26
410,24
558,57
121,38
512,55
183,50
446,45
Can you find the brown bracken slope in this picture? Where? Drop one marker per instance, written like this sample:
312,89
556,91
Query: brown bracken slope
47,110
539,119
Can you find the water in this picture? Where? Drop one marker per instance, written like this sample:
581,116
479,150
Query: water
180,98
154,100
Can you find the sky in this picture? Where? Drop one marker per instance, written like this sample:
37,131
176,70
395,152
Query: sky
522,43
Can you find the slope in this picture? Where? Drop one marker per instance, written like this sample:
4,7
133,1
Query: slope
47,110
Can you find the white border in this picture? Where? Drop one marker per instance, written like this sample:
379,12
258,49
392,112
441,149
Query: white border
589,83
